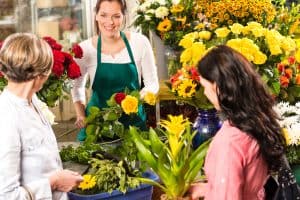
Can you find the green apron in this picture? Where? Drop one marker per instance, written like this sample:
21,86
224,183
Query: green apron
111,78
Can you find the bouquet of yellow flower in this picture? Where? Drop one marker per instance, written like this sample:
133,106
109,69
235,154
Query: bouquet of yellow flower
185,84
261,46
168,19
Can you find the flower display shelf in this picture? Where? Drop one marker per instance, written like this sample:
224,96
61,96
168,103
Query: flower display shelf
144,191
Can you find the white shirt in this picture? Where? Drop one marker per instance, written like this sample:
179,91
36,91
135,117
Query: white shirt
28,150
144,60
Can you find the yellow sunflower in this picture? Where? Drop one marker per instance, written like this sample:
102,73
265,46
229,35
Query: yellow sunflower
88,182
164,25
187,88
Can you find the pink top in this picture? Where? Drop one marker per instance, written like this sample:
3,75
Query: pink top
234,168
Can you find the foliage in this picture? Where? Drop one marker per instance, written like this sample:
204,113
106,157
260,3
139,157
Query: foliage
290,122
81,154
262,46
185,84
175,161
168,19
287,19
106,176
105,122
64,69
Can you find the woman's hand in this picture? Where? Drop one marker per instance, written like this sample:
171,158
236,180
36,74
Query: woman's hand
197,190
80,121
65,180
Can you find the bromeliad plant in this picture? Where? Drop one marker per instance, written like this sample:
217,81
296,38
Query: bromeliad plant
175,161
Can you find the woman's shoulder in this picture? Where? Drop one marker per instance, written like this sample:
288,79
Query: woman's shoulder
136,37
87,44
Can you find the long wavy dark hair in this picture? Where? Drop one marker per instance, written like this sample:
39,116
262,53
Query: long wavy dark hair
244,100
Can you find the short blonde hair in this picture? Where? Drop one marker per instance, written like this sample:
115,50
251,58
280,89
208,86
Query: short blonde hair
24,56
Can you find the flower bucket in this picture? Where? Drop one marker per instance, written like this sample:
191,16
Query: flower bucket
144,191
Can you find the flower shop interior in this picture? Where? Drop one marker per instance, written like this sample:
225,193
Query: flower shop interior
163,159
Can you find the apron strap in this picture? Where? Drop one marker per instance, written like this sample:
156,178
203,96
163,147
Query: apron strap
128,47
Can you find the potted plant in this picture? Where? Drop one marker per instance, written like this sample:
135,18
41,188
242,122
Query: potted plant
175,161
105,176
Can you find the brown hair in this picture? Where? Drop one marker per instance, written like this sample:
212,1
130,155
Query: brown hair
24,56
97,7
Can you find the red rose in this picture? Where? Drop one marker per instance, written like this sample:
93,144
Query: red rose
73,71
119,97
58,56
1,75
77,50
58,69
52,42
288,73
68,59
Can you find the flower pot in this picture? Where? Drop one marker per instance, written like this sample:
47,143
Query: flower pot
296,171
172,60
207,124
144,191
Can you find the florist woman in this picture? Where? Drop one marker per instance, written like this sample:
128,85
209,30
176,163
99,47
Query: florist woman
114,60
30,166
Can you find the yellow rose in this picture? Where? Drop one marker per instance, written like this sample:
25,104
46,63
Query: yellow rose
150,98
130,104
297,56
186,42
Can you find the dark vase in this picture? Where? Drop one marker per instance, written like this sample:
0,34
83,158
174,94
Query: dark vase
207,124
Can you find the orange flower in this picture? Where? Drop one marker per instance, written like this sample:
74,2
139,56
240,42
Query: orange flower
284,81
297,80
288,73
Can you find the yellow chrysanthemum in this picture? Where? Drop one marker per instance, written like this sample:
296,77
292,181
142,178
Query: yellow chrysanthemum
177,8
222,32
164,25
150,98
187,88
88,182
186,42
206,35
236,28
130,104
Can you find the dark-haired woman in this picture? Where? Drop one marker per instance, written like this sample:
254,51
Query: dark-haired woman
249,144
114,60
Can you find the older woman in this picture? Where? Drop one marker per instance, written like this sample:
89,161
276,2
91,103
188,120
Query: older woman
30,166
